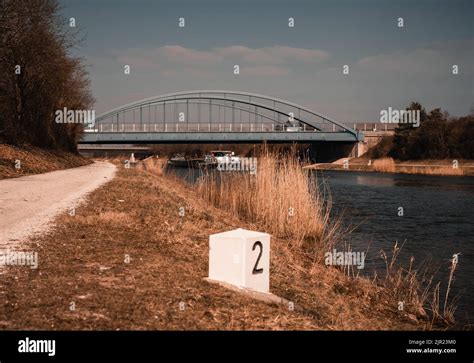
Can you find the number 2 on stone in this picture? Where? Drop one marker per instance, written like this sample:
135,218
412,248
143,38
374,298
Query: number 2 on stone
255,269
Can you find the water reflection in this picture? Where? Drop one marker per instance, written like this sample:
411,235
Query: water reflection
374,180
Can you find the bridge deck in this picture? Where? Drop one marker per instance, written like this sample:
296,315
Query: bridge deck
215,137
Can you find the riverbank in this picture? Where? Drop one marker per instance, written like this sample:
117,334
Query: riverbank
128,259
17,161
426,167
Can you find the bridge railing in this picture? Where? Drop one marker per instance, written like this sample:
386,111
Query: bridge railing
200,127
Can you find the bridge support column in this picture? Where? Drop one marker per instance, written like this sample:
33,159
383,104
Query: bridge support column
361,148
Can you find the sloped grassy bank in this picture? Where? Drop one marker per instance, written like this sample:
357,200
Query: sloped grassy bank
286,200
16,161
128,259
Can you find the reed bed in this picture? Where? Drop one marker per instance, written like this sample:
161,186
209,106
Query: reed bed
153,165
281,198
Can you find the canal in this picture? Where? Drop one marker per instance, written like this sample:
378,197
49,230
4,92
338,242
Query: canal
437,221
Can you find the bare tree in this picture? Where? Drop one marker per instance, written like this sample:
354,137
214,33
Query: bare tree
39,76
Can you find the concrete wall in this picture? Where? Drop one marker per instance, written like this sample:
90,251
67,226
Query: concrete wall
371,139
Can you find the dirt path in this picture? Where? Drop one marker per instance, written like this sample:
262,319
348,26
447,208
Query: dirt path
28,203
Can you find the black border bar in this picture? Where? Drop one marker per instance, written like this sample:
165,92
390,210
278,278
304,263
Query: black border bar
251,345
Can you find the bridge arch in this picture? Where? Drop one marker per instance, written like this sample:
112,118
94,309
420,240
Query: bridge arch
269,113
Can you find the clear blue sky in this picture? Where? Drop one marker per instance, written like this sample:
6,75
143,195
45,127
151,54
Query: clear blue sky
389,66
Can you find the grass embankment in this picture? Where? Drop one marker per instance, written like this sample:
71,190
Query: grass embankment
129,260
16,161
285,200
389,165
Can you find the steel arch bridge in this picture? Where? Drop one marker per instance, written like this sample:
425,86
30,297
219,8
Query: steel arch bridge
215,116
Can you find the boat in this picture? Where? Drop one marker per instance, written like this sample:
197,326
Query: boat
180,161
216,157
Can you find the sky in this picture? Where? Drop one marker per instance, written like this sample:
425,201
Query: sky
389,66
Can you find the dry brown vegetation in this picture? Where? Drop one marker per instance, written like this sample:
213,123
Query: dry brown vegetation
283,200
153,165
389,165
430,170
415,288
386,165
34,160
136,214
36,42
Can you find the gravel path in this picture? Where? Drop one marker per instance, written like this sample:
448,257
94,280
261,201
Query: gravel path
28,204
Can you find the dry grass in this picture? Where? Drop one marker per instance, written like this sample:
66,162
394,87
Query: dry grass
414,288
34,160
283,200
82,260
280,198
115,217
386,165
152,165
404,285
449,308
389,165
430,170
111,217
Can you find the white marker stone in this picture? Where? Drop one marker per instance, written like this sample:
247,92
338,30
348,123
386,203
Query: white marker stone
241,258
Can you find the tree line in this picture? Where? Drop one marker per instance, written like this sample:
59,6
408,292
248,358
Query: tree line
439,136
39,75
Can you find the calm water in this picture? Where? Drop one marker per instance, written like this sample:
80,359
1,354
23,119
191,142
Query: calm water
438,221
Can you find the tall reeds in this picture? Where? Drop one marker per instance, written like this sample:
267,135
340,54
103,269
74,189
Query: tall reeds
281,197
413,286
152,165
